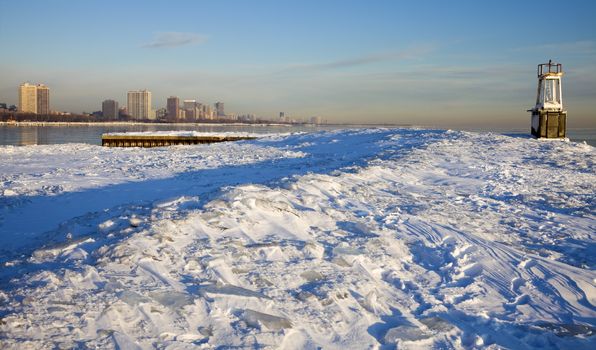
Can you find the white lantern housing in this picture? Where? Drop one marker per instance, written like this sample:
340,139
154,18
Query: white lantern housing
548,118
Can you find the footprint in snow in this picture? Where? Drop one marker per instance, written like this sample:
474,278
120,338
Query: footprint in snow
527,264
519,300
516,284
467,275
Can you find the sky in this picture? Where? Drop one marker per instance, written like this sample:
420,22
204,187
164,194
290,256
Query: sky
458,64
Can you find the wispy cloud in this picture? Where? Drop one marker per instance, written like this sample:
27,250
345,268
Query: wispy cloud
575,47
410,53
175,39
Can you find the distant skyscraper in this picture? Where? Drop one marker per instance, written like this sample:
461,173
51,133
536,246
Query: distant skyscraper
219,109
109,109
282,116
200,112
192,109
139,104
27,98
208,110
189,104
43,99
173,106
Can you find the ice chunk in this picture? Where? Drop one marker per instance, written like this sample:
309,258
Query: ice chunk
339,260
135,222
345,249
206,331
189,338
373,304
75,254
231,289
132,298
172,299
313,250
106,225
123,341
436,324
569,330
311,276
405,332
255,319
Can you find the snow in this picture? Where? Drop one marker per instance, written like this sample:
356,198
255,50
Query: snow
370,238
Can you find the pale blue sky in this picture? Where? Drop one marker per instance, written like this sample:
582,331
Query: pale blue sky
444,63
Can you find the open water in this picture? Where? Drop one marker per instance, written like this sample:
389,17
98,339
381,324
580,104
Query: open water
20,135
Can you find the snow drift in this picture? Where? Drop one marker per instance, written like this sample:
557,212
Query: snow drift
347,239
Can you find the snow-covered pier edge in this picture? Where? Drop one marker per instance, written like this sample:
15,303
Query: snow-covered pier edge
370,238
152,139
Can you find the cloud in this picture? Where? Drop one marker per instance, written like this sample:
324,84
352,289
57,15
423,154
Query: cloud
575,47
175,39
410,53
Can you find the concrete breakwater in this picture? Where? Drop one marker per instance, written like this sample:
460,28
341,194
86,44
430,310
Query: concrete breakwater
109,140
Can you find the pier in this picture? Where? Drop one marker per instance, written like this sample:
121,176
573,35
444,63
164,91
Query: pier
109,140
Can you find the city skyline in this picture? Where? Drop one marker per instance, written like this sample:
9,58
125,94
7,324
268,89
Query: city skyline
34,98
429,63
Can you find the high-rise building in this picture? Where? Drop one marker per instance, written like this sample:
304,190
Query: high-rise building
315,120
200,111
139,104
190,106
208,111
173,107
27,98
219,109
109,109
34,98
43,99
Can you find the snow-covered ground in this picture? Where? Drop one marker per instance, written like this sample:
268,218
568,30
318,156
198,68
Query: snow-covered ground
348,239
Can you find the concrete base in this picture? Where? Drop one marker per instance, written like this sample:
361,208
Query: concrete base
549,124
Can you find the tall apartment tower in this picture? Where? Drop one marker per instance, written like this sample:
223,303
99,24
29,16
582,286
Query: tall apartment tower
43,99
219,109
27,98
173,107
190,107
109,109
208,111
139,104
